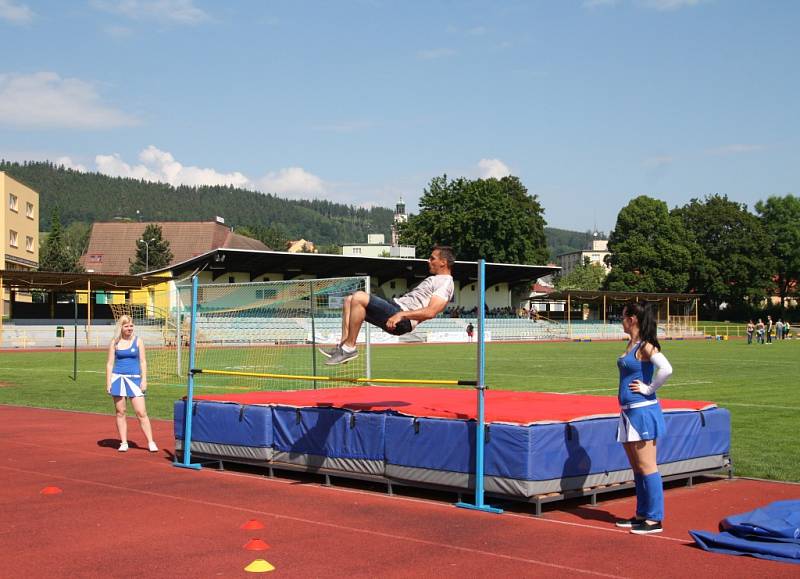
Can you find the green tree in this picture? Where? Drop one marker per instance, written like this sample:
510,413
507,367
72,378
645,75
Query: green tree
55,254
731,263
649,249
587,276
781,219
76,236
493,219
152,250
330,249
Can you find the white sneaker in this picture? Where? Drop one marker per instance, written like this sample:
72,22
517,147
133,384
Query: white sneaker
152,447
123,447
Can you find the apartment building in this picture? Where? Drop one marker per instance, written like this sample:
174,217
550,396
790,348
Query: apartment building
19,222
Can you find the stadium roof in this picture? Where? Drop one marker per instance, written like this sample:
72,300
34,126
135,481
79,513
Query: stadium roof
69,282
383,269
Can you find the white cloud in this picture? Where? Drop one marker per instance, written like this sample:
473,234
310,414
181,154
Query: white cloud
292,181
67,163
660,5
435,53
161,166
493,168
44,100
599,3
735,149
118,32
658,161
14,12
171,11
667,5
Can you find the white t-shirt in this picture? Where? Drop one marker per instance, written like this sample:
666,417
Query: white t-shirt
420,296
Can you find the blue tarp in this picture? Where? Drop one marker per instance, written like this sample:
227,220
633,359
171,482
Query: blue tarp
771,532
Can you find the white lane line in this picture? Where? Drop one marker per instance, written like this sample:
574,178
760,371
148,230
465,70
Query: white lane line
438,545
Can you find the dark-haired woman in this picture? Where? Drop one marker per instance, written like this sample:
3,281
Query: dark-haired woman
642,370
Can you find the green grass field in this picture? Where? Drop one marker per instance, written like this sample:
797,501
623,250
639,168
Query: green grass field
760,385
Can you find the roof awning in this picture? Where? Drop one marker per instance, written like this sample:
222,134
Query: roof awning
292,265
70,282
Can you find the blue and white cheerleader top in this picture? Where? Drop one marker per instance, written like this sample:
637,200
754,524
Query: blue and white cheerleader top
126,376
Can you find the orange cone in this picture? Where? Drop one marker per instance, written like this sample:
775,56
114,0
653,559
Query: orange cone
50,491
256,545
252,525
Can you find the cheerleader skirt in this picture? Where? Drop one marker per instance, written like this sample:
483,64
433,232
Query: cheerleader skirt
127,385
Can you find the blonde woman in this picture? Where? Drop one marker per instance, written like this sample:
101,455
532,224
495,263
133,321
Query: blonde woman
126,377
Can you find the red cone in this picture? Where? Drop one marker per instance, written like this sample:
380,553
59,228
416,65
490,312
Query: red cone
252,525
256,545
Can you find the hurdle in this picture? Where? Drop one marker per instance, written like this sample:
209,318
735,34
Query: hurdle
478,383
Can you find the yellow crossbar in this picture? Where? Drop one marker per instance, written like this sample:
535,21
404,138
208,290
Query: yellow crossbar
335,378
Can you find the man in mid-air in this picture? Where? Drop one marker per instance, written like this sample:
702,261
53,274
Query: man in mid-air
402,314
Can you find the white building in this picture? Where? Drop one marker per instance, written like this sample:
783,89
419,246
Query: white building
376,246
596,254
376,242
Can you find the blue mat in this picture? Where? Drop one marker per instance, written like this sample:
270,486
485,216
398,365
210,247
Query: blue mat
771,532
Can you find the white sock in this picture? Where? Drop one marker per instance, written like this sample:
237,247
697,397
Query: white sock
348,349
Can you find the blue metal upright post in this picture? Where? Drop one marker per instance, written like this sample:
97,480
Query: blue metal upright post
187,430
481,389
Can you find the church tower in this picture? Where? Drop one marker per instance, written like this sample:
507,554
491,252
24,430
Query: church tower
399,217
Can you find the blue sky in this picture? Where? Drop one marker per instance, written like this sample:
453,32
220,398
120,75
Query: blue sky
589,102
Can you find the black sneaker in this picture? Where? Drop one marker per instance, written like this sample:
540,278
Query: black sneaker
646,528
628,523
341,357
328,352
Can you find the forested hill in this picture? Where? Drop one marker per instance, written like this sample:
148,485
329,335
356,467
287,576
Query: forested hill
89,197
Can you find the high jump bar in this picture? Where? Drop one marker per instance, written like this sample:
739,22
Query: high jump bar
334,378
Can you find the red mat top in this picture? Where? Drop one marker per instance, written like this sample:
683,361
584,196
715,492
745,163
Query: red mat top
501,405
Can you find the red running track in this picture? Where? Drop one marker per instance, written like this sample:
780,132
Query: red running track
134,514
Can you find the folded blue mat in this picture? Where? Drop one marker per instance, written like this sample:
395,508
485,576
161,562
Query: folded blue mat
771,532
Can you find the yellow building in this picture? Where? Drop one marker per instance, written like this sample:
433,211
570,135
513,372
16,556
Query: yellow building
19,222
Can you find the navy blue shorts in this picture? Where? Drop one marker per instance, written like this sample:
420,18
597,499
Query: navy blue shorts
379,310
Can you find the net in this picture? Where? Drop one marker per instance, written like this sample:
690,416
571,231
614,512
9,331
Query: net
161,320
273,328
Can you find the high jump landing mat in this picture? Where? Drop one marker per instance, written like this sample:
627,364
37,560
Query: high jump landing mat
539,447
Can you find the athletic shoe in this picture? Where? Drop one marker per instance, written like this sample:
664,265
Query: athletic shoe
646,528
628,523
341,357
328,352
151,446
123,447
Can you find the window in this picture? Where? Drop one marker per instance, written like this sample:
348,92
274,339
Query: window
392,285
29,210
356,250
12,238
96,258
231,279
29,243
13,202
